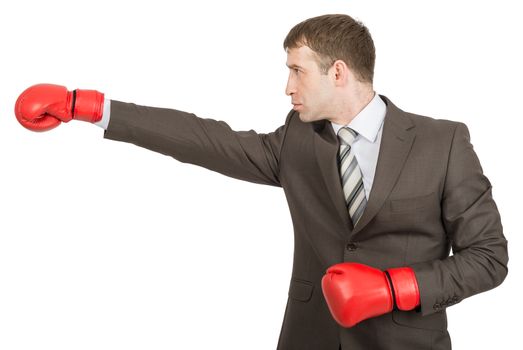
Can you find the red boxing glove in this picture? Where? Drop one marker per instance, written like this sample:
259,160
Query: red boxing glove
355,292
44,106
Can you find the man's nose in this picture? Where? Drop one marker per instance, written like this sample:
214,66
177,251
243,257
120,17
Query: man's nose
291,86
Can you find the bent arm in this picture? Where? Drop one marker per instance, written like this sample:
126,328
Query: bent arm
473,226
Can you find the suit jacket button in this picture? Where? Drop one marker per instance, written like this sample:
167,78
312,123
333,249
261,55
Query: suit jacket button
351,247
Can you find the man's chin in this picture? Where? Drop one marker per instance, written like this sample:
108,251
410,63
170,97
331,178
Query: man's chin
304,117
307,118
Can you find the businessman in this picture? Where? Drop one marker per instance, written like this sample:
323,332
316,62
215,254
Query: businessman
379,197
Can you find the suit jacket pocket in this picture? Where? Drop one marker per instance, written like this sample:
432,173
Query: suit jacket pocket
300,289
436,321
413,203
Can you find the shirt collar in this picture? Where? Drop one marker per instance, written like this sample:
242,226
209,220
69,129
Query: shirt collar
368,122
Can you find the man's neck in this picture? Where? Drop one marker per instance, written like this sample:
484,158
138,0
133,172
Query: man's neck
353,106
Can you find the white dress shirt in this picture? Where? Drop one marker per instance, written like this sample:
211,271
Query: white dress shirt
104,122
368,124
366,146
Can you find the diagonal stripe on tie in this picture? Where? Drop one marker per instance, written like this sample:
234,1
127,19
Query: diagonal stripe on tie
359,211
344,151
346,163
357,205
349,171
356,190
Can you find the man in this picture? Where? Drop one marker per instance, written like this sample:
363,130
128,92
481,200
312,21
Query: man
378,196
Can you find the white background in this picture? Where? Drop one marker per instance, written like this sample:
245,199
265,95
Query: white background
104,245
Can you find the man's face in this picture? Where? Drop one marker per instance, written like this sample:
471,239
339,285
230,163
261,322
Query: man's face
311,91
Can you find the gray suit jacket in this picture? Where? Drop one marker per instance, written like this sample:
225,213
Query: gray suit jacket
429,196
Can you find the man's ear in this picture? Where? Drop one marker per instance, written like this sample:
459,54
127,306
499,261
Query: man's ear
340,72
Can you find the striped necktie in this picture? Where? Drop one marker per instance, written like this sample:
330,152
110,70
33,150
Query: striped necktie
351,177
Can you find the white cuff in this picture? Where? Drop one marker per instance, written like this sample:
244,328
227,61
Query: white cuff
104,122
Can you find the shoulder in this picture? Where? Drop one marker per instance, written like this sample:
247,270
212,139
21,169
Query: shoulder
434,129
427,123
430,126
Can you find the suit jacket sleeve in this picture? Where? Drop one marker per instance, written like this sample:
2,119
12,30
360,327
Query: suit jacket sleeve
474,230
245,155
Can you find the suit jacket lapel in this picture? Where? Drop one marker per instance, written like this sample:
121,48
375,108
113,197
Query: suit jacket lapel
395,145
396,141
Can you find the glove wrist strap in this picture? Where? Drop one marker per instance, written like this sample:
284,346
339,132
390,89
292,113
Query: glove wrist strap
404,287
87,105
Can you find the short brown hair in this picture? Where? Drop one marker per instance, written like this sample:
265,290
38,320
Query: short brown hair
336,37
